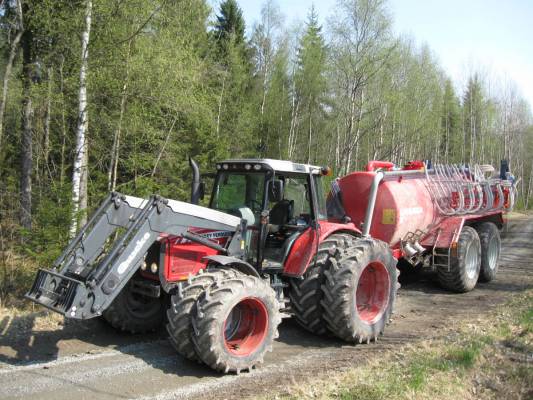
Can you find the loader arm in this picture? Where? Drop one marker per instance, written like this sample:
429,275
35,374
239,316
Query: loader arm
86,278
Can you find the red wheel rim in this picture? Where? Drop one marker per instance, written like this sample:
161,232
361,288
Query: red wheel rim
372,294
245,327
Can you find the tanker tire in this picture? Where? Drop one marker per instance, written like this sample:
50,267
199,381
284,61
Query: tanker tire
212,314
306,294
124,314
341,290
182,300
489,236
459,277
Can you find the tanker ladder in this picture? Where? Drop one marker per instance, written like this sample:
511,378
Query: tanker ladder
100,260
442,255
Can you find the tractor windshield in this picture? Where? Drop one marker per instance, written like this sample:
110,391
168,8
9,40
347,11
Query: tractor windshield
240,194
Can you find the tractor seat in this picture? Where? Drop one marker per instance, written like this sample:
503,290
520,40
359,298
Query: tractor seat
282,212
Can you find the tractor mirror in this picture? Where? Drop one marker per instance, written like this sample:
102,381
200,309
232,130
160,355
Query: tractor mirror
275,190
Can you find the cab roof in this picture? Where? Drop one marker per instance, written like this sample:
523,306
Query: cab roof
267,163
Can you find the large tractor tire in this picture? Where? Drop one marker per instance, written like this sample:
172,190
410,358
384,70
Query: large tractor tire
489,235
179,326
306,294
135,313
462,274
235,322
360,290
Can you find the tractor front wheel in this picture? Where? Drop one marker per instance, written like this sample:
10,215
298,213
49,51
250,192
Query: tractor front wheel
360,290
235,322
182,301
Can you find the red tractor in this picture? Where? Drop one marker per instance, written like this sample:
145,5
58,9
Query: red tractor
268,246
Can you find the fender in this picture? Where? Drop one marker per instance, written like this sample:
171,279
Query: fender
238,264
447,232
304,248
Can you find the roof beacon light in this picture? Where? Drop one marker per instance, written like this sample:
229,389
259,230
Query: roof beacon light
326,171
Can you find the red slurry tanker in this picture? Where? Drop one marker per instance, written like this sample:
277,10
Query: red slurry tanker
269,246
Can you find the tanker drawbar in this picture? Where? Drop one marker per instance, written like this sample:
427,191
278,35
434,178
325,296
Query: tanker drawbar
110,248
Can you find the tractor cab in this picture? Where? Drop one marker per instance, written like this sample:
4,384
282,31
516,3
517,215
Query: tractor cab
279,200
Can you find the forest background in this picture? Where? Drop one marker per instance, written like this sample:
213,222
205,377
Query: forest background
103,95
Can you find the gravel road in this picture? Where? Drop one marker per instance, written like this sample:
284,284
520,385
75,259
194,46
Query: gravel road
89,360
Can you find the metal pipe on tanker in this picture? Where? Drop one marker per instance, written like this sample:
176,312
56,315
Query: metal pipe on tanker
371,203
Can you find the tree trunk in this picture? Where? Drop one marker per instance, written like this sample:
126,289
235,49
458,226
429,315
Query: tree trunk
79,175
27,133
220,105
63,125
113,165
163,148
9,67
46,145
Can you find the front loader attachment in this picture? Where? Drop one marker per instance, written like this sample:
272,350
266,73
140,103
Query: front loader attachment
110,248
54,291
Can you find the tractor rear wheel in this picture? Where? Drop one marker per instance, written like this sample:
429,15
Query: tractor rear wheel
135,313
463,271
235,322
306,294
360,290
489,235
179,325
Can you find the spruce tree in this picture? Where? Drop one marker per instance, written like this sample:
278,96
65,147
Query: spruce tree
450,124
311,84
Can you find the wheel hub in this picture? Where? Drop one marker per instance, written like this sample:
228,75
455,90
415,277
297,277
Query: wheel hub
493,252
372,294
472,261
245,327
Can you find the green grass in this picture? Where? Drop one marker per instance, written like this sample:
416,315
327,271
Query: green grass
439,369
526,320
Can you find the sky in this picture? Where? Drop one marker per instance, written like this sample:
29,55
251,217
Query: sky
494,37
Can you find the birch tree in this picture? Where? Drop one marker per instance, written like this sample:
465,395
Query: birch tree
26,165
79,175
18,28
362,45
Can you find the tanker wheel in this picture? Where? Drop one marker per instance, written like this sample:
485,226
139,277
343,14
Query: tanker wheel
360,290
306,294
462,274
489,237
135,313
182,300
235,322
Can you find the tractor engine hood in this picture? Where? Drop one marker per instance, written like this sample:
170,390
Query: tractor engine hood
211,218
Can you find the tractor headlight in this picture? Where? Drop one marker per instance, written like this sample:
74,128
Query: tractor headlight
247,167
225,166
144,266
257,167
153,268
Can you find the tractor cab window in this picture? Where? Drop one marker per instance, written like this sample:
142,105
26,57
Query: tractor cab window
240,194
295,208
297,191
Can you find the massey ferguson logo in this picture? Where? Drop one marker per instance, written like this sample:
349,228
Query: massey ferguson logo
207,235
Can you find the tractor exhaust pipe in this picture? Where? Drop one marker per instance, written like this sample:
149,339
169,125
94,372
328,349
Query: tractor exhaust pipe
196,190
